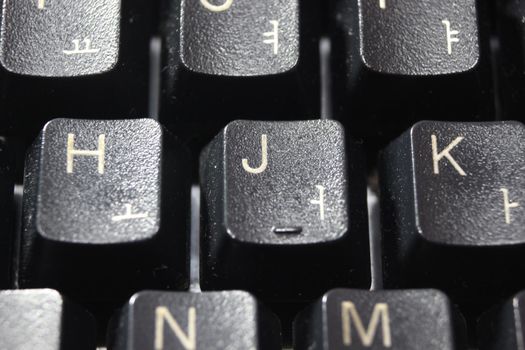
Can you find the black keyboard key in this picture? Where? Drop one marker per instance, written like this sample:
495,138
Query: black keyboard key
6,215
502,327
105,210
283,205
236,58
79,57
397,320
511,57
220,320
42,319
453,209
60,38
412,58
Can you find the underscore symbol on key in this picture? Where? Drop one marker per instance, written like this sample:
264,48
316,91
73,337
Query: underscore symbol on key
41,4
77,50
264,158
451,36
382,4
508,205
320,201
129,215
217,8
273,37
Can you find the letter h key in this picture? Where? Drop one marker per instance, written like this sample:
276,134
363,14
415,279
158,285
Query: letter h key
453,208
93,195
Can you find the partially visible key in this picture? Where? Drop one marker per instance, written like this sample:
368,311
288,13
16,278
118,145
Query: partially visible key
416,58
453,199
6,214
502,328
42,319
60,38
397,320
218,320
88,58
239,58
284,212
105,210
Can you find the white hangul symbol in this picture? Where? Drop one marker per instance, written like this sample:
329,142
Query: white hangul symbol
77,50
264,158
508,205
382,4
320,201
451,36
217,8
273,37
41,4
129,215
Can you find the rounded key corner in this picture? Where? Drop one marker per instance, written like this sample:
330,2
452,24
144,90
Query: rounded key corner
138,296
336,292
65,74
238,294
515,123
150,123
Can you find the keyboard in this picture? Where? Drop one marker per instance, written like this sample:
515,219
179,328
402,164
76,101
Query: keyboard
235,174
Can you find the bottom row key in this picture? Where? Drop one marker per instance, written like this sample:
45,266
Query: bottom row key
342,319
189,321
359,319
41,319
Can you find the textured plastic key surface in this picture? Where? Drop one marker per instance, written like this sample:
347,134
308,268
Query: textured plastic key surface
110,200
219,320
418,59
277,210
418,37
42,319
502,327
60,38
397,320
237,59
452,208
241,37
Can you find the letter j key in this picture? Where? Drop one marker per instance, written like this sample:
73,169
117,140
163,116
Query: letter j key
104,205
284,210
454,209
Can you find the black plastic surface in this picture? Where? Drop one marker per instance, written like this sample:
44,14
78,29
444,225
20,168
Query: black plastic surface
220,320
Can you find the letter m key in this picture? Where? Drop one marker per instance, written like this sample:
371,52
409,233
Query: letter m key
351,320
